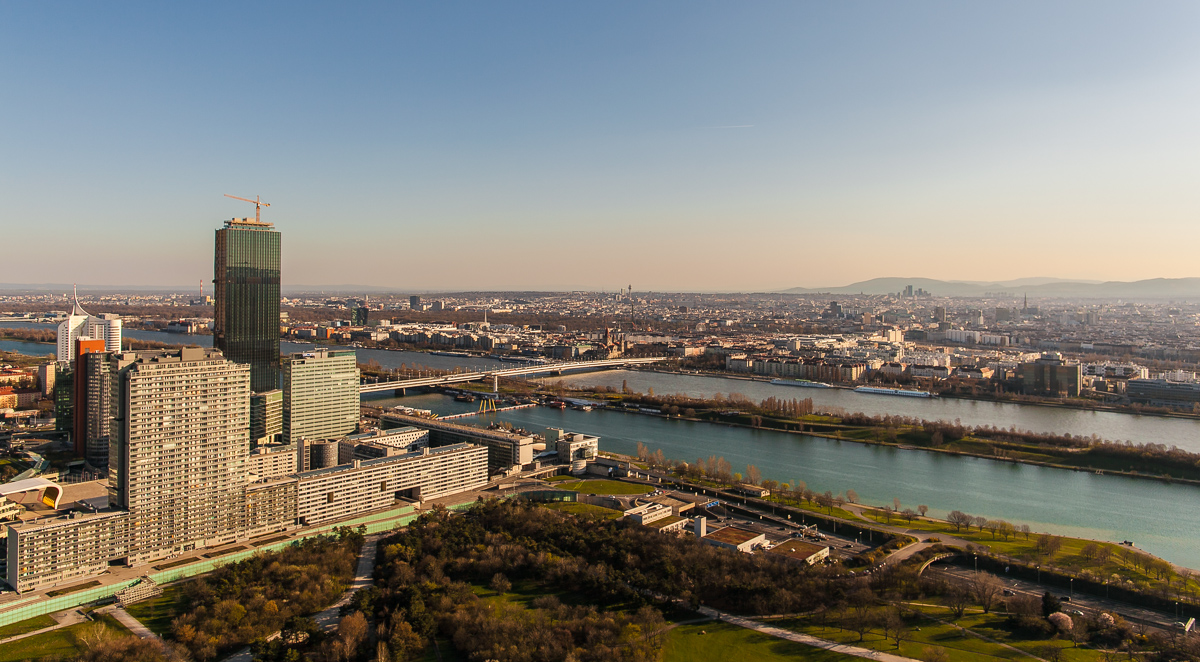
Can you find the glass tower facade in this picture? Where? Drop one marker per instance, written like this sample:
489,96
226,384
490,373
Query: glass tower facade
246,281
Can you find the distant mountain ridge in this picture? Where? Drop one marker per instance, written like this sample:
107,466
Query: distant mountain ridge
1153,288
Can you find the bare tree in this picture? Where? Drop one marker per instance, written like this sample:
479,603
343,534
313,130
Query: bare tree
979,522
957,599
922,509
959,519
851,496
894,626
753,475
987,589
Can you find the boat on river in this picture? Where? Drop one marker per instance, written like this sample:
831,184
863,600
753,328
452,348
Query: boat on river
894,391
800,382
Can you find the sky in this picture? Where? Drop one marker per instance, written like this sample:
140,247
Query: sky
674,146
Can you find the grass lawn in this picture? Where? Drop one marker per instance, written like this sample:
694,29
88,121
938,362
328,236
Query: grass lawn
1070,556
602,486
555,479
71,589
60,644
583,509
157,613
35,623
723,641
815,508
960,646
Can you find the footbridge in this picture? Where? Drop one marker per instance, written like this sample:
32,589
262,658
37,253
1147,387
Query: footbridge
534,369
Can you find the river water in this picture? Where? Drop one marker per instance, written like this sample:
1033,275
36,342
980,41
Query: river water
1114,426
1181,432
1161,518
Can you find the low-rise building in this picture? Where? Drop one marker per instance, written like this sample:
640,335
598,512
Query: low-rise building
732,537
801,552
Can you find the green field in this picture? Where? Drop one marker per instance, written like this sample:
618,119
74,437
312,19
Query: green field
59,644
157,613
583,509
601,486
35,623
961,645
723,641
1070,556
555,479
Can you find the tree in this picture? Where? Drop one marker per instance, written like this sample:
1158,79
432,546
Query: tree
896,503
894,626
1061,622
979,522
909,514
959,519
987,589
1048,545
922,509
404,642
1025,531
859,618
753,475
1050,604
935,654
957,599
500,583
851,496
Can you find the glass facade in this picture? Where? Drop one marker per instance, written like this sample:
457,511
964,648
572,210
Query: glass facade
246,280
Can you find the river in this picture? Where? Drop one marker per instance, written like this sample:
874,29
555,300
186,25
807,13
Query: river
1161,518
1113,426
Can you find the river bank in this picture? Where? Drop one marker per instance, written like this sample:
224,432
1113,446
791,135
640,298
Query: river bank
981,397
1066,453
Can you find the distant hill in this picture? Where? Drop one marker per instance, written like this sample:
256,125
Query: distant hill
1154,288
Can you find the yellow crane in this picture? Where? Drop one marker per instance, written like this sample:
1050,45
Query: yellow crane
258,205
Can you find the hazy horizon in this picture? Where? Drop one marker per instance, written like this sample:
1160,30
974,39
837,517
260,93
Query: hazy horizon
700,147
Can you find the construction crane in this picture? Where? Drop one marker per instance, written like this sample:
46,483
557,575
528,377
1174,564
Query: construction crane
258,205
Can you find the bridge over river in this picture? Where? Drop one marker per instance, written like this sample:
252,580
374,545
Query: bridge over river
540,368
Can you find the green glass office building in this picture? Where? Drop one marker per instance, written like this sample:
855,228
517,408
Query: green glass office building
246,280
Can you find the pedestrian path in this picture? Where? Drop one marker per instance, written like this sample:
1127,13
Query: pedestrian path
125,618
805,639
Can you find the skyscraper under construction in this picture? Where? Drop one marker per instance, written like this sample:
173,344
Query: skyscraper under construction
246,280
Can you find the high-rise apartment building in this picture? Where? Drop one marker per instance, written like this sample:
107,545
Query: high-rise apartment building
178,448
92,403
246,280
320,395
414,302
266,417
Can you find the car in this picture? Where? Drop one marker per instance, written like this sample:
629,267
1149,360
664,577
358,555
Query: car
1009,591
847,545
1064,598
1075,612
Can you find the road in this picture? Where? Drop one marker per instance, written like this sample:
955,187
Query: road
1088,604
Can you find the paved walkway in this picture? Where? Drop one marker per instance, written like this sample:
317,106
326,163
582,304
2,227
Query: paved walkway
808,640
124,618
64,618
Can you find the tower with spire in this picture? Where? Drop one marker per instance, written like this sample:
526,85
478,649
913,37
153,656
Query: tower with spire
79,324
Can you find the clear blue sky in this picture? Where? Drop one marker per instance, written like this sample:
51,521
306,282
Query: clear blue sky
671,145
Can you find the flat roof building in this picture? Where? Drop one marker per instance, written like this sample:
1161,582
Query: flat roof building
732,537
320,395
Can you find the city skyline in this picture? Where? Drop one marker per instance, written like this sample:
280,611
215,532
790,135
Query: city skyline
978,143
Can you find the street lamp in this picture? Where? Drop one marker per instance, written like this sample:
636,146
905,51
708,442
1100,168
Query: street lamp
1072,584
1039,574
976,557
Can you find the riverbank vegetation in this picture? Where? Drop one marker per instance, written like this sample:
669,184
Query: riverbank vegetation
1101,568
802,415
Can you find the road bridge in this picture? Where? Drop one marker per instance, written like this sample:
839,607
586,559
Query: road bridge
540,368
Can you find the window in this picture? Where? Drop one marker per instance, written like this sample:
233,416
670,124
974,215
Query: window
329,498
